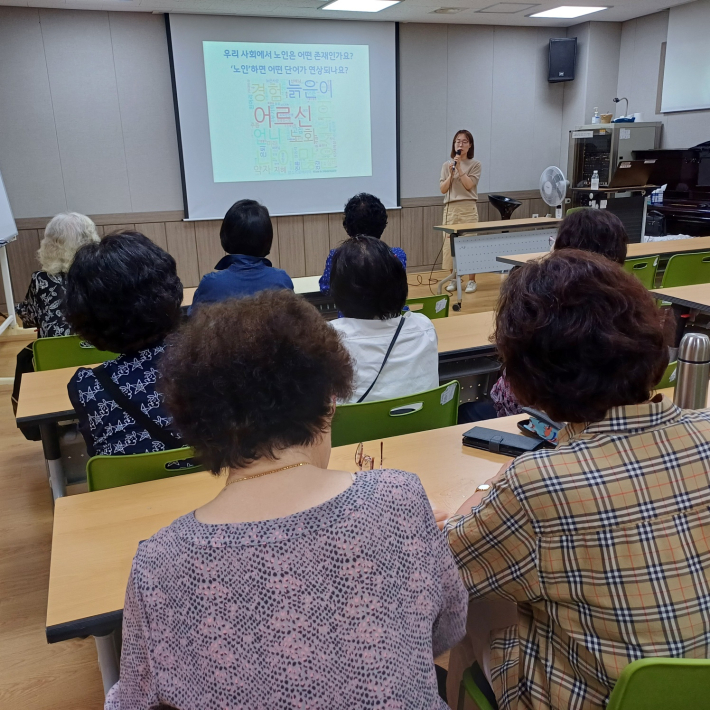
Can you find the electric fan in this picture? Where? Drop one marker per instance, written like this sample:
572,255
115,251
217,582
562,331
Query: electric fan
553,188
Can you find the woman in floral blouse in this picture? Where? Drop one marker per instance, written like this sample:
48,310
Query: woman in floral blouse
42,308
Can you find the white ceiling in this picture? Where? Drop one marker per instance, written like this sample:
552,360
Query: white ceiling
474,12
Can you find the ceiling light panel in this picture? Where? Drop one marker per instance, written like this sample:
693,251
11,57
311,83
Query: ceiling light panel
359,5
566,12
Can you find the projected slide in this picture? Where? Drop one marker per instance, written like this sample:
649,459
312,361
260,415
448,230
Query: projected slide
288,111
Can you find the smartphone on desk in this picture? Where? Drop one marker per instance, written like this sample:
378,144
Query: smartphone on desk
540,425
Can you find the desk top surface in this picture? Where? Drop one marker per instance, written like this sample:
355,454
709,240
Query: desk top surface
44,394
697,296
499,225
96,534
633,251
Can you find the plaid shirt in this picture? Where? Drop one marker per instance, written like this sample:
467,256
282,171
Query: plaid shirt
604,543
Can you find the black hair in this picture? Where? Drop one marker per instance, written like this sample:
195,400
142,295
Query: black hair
364,215
598,231
367,280
123,294
247,229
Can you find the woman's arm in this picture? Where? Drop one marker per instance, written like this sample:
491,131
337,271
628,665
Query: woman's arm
444,185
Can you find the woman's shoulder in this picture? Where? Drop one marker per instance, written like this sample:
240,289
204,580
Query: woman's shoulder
394,484
419,321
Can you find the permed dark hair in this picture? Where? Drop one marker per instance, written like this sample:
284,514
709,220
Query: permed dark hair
364,214
598,231
469,136
123,294
239,399
578,336
367,280
247,229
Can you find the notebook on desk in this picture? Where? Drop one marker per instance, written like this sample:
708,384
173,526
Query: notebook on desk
632,173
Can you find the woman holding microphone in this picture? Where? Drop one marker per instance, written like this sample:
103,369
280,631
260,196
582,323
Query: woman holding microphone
459,185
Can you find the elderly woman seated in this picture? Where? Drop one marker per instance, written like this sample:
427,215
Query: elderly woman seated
42,308
596,553
124,296
297,586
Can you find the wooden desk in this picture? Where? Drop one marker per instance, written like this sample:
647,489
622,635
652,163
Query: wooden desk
187,296
96,534
44,398
696,297
667,249
466,333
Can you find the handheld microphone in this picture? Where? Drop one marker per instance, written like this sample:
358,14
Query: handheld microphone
453,165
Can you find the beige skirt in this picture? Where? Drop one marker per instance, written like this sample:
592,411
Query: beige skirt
456,212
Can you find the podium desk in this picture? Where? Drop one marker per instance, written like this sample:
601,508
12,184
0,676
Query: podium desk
475,246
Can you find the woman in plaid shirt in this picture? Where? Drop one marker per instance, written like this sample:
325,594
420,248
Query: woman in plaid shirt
596,553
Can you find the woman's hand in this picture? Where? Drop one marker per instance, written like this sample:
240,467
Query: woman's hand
440,516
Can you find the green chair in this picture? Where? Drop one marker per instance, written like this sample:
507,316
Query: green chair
662,684
434,409
669,376
644,269
687,270
113,471
431,306
572,210
66,351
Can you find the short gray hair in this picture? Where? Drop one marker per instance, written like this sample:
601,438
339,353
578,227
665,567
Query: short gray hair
65,234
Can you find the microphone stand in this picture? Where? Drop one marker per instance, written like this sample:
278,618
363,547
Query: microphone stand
454,272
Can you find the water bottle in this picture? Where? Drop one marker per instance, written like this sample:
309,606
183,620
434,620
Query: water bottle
691,389
595,180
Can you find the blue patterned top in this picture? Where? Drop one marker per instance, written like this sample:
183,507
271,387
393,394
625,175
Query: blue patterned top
108,429
324,281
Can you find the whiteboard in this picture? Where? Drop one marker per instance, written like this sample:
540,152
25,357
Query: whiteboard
8,230
686,78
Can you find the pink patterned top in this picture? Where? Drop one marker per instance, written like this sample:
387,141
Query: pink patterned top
341,606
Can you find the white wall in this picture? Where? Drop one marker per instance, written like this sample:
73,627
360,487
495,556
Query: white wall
491,80
86,113
639,65
596,77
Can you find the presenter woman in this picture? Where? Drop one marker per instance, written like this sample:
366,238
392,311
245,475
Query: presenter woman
459,185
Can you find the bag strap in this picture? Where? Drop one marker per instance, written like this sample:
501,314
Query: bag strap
384,362
164,436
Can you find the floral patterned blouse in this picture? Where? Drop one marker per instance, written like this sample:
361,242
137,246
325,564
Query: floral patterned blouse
339,607
42,307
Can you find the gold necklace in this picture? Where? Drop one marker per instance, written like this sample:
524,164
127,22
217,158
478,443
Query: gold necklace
266,473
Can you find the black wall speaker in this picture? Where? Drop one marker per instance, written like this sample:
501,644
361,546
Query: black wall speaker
563,56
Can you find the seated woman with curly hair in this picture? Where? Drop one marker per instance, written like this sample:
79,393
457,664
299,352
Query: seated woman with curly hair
598,231
297,586
124,296
586,557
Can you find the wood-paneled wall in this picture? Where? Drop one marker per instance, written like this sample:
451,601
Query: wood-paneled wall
301,243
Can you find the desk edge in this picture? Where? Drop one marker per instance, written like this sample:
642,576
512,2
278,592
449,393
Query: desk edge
676,300
98,625
45,418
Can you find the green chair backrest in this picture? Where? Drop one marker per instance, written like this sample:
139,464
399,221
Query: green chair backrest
470,688
644,269
113,471
433,409
66,351
687,269
431,306
572,210
669,376
662,684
